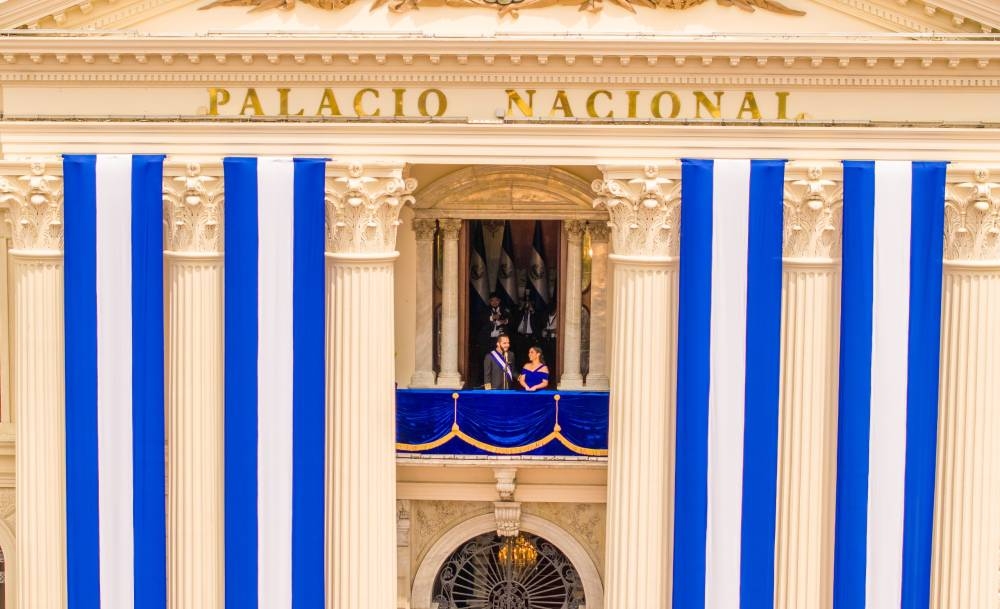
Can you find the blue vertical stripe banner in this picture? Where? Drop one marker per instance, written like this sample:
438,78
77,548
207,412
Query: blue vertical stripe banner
115,489
274,382
729,358
889,370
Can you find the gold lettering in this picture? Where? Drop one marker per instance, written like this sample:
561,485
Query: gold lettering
398,93
252,101
283,103
675,104
514,99
329,102
782,105
749,105
359,103
442,102
701,100
217,96
592,104
561,104
633,98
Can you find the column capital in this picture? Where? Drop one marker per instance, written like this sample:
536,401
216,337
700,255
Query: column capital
644,211
574,230
192,211
599,231
972,219
363,205
36,207
813,216
425,228
450,227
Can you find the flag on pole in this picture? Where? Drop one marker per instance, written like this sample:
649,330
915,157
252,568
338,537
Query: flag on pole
115,491
538,273
728,380
506,287
478,279
889,363
274,387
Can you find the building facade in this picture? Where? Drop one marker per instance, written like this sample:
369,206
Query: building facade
435,115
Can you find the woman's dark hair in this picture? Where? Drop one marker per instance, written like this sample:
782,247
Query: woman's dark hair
541,354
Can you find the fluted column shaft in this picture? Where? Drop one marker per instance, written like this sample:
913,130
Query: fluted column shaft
449,376
423,373
361,467
807,424
39,396
194,397
570,364
597,374
643,345
966,563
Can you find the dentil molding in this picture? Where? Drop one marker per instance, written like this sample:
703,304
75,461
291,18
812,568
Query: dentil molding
644,211
363,207
192,211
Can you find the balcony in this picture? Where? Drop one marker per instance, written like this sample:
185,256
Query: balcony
498,425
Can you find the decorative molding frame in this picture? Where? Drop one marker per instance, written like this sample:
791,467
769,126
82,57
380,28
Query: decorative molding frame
440,550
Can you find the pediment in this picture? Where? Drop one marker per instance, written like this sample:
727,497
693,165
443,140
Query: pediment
486,17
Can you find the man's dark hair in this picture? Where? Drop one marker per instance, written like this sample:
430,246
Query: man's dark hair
499,336
493,295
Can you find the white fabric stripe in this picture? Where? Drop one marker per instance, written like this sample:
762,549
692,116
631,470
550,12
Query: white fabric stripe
113,224
275,213
890,338
730,236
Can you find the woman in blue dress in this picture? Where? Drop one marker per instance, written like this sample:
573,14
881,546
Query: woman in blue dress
534,374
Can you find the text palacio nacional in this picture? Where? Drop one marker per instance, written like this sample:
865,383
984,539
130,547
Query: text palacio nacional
543,149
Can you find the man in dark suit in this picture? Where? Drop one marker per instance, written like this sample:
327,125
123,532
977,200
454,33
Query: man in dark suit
498,366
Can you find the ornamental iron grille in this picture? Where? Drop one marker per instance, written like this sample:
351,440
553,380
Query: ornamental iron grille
523,572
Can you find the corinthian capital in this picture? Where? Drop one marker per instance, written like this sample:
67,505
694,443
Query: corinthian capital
36,206
972,219
644,210
192,211
363,206
814,208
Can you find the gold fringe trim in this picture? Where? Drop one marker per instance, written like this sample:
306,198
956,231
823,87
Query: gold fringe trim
555,435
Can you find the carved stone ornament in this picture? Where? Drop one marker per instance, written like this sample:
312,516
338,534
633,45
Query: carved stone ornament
511,6
192,212
645,214
814,217
425,228
36,202
972,219
363,211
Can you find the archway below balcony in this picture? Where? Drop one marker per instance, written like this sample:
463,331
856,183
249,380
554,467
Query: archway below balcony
422,590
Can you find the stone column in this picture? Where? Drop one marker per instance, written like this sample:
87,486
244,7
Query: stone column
597,377
570,364
449,377
362,217
643,386
39,388
808,403
194,387
423,373
966,563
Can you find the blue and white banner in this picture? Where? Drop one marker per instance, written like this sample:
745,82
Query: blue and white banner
889,361
274,388
115,495
729,352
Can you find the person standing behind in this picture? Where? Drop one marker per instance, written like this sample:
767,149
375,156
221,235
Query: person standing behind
534,374
498,366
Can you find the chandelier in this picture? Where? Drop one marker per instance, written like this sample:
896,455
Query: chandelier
517,552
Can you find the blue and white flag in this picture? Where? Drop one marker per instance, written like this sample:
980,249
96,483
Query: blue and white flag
115,490
274,388
538,272
889,360
479,294
506,286
729,352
